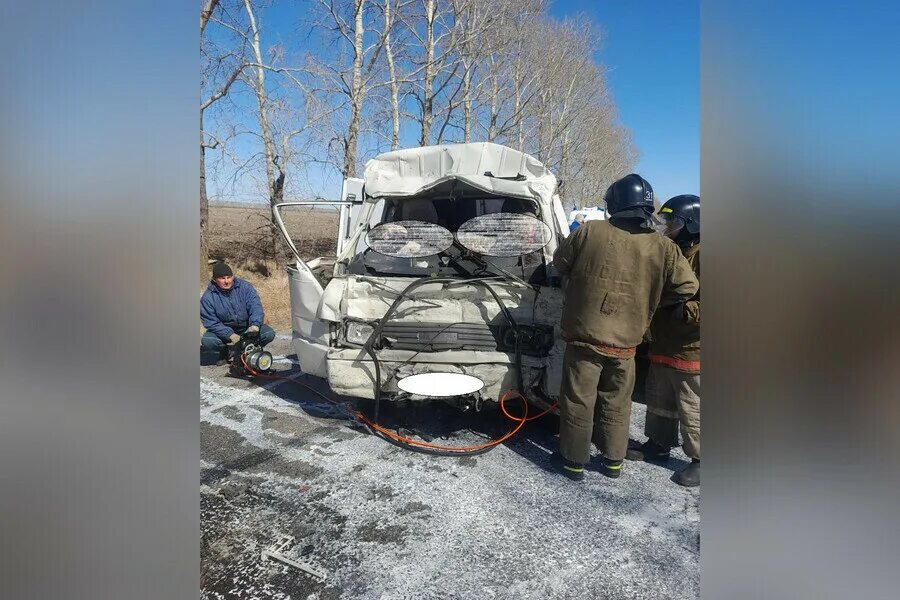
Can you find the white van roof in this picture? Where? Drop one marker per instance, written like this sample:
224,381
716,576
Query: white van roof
414,170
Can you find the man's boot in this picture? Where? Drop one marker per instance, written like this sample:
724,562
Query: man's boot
690,475
649,451
610,468
572,470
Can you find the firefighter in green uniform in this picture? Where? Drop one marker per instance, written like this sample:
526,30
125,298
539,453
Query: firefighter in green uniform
673,383
619,272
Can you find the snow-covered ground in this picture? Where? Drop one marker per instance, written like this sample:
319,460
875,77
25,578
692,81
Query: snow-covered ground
390,524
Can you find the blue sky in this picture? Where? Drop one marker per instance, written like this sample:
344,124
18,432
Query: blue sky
652,52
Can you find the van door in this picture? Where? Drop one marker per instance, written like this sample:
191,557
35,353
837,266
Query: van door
352,196
309,333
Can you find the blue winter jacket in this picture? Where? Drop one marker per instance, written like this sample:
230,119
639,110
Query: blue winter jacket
239,307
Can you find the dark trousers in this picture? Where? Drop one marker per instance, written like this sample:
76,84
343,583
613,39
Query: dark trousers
595,404
213,348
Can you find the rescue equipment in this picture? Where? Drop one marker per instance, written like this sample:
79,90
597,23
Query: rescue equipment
247,357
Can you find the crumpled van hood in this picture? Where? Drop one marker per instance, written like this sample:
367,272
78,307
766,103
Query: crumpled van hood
412,171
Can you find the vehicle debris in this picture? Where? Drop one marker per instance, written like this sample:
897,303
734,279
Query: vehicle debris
276,552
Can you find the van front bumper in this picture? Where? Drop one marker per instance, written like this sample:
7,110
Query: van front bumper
351,371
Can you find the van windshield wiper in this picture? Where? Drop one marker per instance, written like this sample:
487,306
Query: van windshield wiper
506,273
481,262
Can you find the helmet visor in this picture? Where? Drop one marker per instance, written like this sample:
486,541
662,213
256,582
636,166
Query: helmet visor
671,224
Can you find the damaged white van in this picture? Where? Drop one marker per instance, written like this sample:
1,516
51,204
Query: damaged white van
442,286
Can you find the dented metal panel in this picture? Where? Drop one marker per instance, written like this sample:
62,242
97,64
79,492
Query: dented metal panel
491,167
310,334
351,372
368,298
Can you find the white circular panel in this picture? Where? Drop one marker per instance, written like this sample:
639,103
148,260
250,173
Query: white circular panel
504,234
409,239
440,385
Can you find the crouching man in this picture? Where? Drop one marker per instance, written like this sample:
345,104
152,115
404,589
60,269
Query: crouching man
673,383
229,308
620,272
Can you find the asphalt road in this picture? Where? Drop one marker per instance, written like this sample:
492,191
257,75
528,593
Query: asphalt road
389,524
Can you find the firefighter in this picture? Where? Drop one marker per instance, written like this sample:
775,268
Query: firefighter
673,383
619,272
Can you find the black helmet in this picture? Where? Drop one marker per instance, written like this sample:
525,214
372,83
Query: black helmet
682,217
631,196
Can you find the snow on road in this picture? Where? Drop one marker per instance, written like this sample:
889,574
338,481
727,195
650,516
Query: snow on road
390,524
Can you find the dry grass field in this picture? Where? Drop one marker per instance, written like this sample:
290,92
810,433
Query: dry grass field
240,237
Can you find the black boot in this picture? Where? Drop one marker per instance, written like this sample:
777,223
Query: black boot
649,451
572,470
690,475
610,468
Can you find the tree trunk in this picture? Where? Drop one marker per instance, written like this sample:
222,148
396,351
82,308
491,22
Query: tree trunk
392,72
204,211
520,122
206,12
356,93
467,104
564,157
274,185
428,84
492,120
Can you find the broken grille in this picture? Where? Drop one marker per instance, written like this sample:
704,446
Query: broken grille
535,340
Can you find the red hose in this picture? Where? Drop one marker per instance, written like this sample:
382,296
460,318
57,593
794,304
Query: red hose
520,421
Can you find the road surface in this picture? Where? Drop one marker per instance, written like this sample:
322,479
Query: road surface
389,524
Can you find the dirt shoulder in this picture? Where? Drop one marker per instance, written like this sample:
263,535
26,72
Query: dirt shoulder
240,236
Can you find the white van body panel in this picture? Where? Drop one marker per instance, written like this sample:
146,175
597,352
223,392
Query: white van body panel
310,332
411,171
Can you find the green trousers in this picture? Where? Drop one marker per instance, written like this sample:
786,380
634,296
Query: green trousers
595,404
673,399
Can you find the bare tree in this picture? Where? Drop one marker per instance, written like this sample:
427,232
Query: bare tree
221,70
274,174
431,26
566,117
287,111
384,70
391,8
206,12
497,44
360,29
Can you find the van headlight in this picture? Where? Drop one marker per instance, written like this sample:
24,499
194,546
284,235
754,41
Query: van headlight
358,333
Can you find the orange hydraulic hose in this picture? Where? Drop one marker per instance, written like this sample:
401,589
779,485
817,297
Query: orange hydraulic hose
520,421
